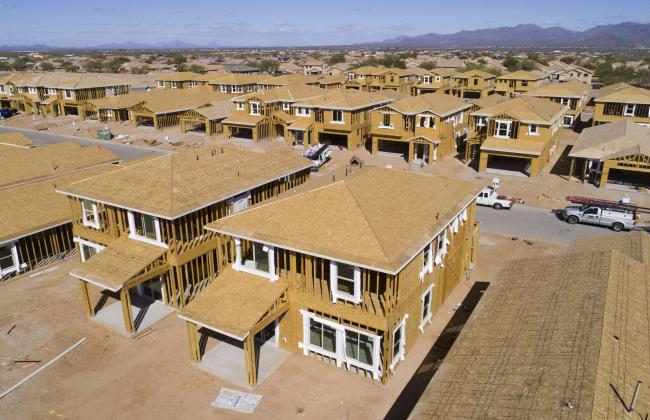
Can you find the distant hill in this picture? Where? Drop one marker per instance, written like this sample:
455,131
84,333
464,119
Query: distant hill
622,35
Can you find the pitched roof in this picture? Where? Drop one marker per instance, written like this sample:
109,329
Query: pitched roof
526,108
571,89
20,165
289,79
345,99
120,261
30,208
290,93
15,138
623,93
174,185
437,103
523,75
181,76
635,245
175,100
239,79
332,79
218,110
488,101
567,349
366,221
613,140
234,303
473,73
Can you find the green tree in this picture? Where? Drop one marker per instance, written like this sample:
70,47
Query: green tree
568,60
46,66
93,66
527,65
195,68
269,66
336,58
511,63
428,65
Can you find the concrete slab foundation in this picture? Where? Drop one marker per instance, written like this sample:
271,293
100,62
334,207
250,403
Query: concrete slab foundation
145,314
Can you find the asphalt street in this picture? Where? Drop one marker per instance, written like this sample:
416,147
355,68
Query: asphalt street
124,151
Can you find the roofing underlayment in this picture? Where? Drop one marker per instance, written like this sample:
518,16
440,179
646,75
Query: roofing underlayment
613,140
553,337
623,93
526,108
14,138
571,89
290,93
436,103
118,263
21,165
173,185
32,207
234,302
380,218
346,99
523,75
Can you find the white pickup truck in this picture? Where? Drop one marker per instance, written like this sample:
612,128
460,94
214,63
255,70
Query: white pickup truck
616,219
489,197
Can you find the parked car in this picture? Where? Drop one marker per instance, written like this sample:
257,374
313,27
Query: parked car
7,112
616,219
489,197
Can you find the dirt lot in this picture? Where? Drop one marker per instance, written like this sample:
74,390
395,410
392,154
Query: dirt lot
110,376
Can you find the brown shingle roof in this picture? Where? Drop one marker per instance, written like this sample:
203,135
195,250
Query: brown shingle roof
173,185
553,337
367,223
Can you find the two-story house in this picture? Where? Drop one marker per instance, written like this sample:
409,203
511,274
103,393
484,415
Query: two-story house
519,82
179,80
269,113
373,79
357,291
572,72
237,84
472,84
286,80
139,229
431,81
340,117
519,134
421,128
621,102
314,67
573,94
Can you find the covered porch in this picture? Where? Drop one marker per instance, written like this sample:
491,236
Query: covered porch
243,312
133,274
626,172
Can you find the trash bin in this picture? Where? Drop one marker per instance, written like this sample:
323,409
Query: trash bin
104,134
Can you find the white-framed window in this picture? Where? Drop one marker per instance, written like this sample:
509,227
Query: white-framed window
109,113
345,282
89,214
224,88
11,90
533,130
441,248
9,262
503,129
67,93
145,228
427,260
426,308
250,88
398,343
88,249
385,120
346,345
426,121
255,108
302,112
192,83
567,121
481,121
2,88
51,91
259,259
239,106
161,83
286,106
629,109
361,77
337,116
32,89
237,89
21,90
426,79
350,77
438,78
174,85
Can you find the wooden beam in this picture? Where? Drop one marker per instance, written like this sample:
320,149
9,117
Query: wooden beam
250,359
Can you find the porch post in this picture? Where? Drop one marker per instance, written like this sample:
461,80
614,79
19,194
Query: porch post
604,175
125,300
250,359
411,151
193,338
86,298
571,167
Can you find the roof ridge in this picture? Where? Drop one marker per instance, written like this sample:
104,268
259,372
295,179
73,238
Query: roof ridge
372,229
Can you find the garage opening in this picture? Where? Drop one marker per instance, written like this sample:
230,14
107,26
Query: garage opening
195,127
631,179
340,140
471,95
242,133
398,149
509,165
144,121
70,110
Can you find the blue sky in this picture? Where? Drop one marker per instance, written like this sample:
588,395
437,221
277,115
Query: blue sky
290,23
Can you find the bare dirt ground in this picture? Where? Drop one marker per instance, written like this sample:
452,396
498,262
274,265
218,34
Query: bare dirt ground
110,376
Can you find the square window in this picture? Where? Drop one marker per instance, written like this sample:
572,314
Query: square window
533,129
7,262
89,214
337,116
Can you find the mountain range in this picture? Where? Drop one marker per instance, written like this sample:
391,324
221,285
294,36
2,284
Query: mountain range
622,35
615,36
